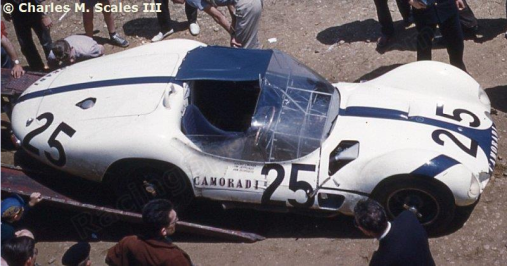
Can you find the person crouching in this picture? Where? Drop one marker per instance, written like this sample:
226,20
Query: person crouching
73,49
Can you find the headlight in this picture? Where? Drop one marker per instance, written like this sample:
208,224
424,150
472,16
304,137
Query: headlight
483,97
475,187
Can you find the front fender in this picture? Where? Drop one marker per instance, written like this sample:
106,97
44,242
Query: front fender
454,175
394,163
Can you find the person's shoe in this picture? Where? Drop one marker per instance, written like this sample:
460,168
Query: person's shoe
118,40
408,22
383,41
439,41
194,29
160,36
505,35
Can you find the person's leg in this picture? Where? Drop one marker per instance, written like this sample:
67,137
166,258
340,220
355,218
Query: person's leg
191,13
88,16
384,17
115,37
405,11
164,17
453,36
248,15
22,26
164,21
425,34
108,18
44,36
88,23
469,23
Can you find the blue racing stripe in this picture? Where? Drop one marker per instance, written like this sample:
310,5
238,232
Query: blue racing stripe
436,166
374,113
484,137
95,84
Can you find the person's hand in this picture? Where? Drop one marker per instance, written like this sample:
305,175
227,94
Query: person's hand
46,21
24,232
417,5
34,199
235,43
460,4
17,71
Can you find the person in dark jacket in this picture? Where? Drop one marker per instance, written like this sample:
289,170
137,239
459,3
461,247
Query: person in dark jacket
401,242
155,247
443,13
24,23
13,209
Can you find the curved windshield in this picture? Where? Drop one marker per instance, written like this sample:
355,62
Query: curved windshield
285,115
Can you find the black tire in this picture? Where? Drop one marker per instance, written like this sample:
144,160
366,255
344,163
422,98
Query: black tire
433,201
137,184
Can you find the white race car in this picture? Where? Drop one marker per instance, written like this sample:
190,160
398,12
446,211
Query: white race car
258,129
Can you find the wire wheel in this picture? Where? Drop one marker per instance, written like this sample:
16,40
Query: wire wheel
142,183
431,201
424,204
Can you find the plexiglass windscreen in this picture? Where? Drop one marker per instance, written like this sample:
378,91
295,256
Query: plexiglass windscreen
294,113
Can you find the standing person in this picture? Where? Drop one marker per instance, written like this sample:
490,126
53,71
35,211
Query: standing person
245,14
401,242
13,209
24,23
116,39
155,247
164,19
386,21
9,56
443,13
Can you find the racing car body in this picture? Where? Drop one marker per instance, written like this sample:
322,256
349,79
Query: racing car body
257,128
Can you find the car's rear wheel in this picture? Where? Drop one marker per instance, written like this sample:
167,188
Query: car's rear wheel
432,202
137,184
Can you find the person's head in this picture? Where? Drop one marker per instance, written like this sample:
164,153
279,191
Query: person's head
19,251
24,232
77,255
159,218
370,217
61,49
12,208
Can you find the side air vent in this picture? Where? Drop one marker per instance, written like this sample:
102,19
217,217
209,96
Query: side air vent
346,152
86,103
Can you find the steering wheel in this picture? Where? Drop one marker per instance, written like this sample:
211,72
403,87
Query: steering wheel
269,116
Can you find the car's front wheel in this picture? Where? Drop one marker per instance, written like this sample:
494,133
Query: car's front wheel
432,202
139,183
